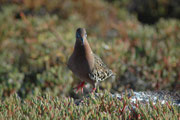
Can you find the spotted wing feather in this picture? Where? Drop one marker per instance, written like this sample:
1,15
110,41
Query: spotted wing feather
100,71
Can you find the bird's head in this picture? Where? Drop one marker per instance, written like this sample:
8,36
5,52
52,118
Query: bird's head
81,35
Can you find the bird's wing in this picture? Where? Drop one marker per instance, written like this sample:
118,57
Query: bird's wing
100,71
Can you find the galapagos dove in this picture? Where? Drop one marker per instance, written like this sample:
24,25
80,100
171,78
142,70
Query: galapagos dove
87,66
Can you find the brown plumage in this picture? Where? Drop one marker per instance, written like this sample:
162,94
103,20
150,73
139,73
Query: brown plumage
87,66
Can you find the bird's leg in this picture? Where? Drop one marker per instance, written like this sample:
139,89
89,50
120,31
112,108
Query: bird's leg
81,85
93,90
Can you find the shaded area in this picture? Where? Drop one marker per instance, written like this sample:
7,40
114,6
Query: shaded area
150,11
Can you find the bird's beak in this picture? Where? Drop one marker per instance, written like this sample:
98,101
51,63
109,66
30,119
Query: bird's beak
82,39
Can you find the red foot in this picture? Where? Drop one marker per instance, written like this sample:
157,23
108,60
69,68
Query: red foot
93,90
81,85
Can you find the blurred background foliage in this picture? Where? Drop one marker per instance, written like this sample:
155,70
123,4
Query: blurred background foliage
139,40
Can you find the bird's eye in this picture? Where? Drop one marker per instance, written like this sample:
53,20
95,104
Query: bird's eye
78,35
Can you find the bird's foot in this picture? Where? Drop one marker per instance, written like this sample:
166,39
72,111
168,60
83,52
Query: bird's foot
93,90
80,86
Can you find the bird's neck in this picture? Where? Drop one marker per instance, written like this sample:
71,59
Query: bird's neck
84,52
84,49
